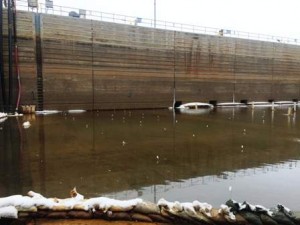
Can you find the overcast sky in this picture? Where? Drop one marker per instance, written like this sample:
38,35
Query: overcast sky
276,17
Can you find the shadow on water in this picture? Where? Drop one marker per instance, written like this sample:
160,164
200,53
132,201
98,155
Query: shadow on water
11,157
153,154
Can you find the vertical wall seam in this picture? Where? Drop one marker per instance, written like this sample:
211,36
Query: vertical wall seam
234,74
174,69
93,75
272,73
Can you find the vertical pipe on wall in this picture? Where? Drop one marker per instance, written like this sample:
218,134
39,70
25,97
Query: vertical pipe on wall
16,53
10,58
2,85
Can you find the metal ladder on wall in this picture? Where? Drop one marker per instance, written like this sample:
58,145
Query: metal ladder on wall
39,64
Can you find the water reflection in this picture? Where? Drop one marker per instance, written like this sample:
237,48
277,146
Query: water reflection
12,156
153,154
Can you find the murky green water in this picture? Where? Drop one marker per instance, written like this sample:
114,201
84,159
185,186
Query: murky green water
152,154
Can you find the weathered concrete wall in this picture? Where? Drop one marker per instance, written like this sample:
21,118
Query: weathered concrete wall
95,65
27,59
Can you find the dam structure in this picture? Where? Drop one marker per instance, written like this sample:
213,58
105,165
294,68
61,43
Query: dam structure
91,60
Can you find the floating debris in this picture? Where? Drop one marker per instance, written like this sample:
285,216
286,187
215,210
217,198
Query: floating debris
76,111
26,124
47,112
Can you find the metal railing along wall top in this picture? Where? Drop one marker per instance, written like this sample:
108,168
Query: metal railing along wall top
145,22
